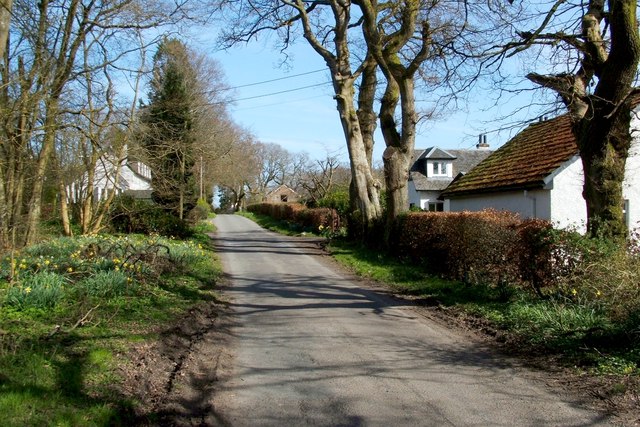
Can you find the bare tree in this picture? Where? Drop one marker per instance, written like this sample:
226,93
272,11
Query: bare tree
326,26
237,168
320,178
388,30
43,58
273,162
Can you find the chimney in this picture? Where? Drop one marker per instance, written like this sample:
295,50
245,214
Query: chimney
482,142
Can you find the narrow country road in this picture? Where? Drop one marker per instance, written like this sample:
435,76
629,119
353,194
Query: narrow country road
311,347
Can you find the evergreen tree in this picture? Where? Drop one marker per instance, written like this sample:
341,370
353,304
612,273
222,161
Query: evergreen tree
168,128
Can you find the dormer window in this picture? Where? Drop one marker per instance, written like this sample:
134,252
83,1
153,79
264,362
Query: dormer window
439,169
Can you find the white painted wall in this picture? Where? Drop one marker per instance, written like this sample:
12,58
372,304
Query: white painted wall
414,197
421,199
631,187
528,204
568,207
104,181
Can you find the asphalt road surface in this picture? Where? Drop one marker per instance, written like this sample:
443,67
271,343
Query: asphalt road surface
313,347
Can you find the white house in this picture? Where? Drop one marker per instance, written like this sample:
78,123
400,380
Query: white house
538,174
133,178
434,169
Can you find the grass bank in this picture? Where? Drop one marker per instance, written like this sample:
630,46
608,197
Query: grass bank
71,308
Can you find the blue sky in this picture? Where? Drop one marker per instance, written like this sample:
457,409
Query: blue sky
306,119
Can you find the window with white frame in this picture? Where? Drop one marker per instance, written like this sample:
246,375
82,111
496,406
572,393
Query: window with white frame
439,169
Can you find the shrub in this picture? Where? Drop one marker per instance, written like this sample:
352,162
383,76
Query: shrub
338,200
592,274
200,211
535,253
598,273
38,290
129,215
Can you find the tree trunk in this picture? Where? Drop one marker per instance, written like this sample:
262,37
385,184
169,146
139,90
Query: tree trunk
365,188
386,48
397,156
604,146
182,188
366,98
35,201
5,21
4,214
64,208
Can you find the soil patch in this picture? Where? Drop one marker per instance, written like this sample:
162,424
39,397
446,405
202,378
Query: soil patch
172,380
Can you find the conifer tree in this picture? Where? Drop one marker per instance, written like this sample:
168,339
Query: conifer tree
168,131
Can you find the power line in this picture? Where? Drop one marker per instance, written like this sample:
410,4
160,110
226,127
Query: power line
264,95
279,103
277,79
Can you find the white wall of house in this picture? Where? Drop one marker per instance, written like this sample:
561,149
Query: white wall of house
631,187
421,199
568,207
527,204
104,181
414,197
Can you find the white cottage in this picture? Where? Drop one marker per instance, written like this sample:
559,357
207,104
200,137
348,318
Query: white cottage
434,169
133,178
538,174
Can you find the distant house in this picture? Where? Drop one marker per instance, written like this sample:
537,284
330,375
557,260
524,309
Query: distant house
434,169
133,178
282,194
538,174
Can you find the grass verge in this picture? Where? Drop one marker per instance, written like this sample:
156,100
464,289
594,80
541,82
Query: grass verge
70,309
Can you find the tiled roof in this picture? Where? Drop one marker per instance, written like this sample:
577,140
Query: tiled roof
523,162
462,160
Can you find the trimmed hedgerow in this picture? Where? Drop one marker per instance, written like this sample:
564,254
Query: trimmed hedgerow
309,218
470,246
498,248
